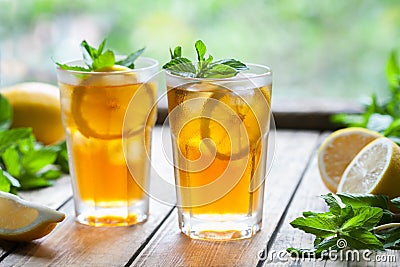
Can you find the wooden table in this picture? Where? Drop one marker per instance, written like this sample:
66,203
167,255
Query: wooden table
292,186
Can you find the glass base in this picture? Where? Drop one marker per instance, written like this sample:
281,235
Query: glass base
111,216
220,227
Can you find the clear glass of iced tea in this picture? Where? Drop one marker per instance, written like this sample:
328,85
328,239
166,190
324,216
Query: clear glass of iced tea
219,129
94,105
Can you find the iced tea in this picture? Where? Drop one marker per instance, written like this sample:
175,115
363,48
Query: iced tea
94,105
219,134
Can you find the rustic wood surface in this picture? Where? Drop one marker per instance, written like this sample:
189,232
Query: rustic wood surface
293,186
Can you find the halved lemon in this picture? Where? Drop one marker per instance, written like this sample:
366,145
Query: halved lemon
36,105
338,150
375,170
21,220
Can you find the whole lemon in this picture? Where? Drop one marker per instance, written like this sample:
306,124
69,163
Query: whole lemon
36,105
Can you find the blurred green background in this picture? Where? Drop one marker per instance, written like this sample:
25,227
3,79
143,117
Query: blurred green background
318,49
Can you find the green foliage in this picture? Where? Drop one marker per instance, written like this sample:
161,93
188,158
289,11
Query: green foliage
206,68
96,59
354,219
380,117
25,163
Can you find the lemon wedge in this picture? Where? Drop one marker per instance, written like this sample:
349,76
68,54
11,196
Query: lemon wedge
21,220
338,150
375,170
36,105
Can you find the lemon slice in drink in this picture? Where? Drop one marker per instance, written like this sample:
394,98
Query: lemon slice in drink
99,107
338,150
375,170
21,220
234,122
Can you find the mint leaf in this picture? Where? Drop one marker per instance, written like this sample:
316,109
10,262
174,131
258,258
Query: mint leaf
390,238
364,200
9,137
396,202
34,161
90,53
237,65
362,239
74,68
129,61
317,225
177,52
5,113
96,59
205,67
365,217
104,60
11,161
332,203
200,50
181,66
393,70
50,174
220,71
62,155
30,181
5,184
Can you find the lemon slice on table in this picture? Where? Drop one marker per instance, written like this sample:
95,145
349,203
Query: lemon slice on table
375,170
234,122
99,109
21,220
338,150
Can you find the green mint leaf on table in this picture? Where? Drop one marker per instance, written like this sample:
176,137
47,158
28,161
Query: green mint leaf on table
27,164
29,181
318,225
97,59
390,238
364,200
333,204
396,202
364,217
11,161
206,68
364,221
362,239
9,137
36,160
5,114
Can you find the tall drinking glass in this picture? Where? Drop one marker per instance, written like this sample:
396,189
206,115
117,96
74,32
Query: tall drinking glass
219,130
94,105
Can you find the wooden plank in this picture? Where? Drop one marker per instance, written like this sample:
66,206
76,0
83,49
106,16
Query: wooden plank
73,244
53,196
307,199
170,248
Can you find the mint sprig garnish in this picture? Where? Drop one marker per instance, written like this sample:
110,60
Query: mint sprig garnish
96,58
206,68
360,221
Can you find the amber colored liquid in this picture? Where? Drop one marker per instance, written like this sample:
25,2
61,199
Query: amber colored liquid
93,117
221,166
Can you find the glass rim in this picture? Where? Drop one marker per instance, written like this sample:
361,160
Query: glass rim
153,63
267,73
